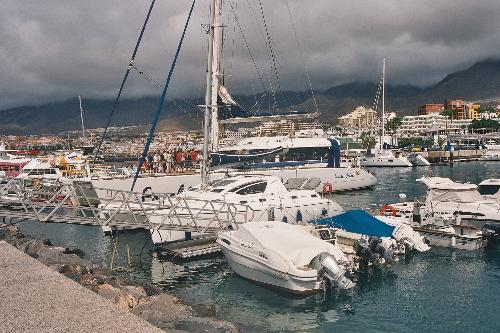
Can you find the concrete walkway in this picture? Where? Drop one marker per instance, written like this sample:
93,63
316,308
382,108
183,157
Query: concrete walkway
33,298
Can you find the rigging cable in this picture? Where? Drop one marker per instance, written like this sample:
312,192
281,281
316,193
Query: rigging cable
250,53
302,55
273,57
162,99
130,66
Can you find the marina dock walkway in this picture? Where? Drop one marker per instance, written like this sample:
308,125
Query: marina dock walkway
33,298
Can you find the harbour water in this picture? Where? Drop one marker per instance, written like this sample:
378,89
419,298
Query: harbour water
440,291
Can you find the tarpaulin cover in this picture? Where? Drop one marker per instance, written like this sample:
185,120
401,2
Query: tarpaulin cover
359,222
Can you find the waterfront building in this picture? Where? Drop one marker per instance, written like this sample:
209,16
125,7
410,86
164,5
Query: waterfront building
458,107
425,125
361,117
430,109
473,111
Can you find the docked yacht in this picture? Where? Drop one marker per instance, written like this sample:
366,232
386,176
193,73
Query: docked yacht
492,153
253,198
284,256
417,160
385,158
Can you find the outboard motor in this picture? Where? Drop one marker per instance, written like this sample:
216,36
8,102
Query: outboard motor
412,239
330,268
491,231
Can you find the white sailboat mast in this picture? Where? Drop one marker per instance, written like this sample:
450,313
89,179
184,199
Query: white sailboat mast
383,107
81,116
205,168
217,29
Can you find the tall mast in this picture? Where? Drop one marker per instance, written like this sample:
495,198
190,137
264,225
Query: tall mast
217,28
205,168
383,107
81,116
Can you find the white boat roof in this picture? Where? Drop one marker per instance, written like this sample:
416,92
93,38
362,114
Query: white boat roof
440,183
492,181
288,241
228,184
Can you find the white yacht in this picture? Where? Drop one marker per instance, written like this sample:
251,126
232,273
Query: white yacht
450,203
385,158
255,198
436,230
284,256
492,153
417,160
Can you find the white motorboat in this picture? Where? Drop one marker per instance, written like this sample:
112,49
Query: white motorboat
418,160
446,198
255,198
284,256
385,158
371,239
438,232
492,153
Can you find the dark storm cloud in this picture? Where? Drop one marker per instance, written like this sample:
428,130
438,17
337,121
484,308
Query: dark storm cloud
55,49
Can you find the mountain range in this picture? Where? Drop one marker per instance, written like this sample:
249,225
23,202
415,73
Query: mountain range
480,82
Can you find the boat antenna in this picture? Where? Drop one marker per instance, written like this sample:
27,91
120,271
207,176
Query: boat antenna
162,99
81,116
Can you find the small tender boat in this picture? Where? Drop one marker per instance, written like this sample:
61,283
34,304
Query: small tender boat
418,160
285,256
372,238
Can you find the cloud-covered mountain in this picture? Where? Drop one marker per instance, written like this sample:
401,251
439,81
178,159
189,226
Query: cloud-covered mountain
479,82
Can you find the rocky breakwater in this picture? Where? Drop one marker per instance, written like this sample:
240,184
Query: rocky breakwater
144,300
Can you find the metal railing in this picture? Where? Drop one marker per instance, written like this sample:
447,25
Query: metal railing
79,202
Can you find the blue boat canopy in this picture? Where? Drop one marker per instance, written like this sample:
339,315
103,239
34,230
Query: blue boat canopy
359,222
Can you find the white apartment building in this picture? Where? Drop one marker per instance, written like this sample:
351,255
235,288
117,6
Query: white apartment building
424,125
361,117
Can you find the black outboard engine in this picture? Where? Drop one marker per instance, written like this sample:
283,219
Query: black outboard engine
373,250
491,231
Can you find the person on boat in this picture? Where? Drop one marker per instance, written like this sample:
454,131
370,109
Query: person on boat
150,163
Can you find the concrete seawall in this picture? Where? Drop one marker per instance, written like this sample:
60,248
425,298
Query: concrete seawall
34,298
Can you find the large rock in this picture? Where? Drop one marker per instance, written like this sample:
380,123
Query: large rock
32,247
51,256
127,298
163,310
205,325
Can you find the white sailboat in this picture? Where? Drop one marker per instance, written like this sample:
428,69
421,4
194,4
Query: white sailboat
264,195
383,157
331,179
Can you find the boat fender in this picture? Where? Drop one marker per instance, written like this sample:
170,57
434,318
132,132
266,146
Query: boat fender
453,241
53,163
327,188
390,208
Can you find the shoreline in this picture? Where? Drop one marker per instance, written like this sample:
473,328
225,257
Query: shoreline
151,303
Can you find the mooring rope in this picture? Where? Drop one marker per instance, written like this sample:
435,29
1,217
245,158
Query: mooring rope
129,67
162,99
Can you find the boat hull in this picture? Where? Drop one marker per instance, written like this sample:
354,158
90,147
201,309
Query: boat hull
340,179
263,274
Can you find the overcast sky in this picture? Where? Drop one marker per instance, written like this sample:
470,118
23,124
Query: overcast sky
56,49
